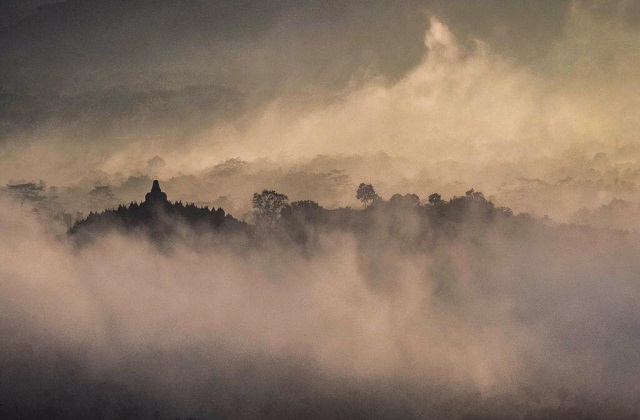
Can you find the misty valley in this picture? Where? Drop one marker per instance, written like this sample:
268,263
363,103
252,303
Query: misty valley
294,209
399,308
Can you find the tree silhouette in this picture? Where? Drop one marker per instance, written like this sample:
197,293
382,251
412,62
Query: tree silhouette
101,197
407,200
474,195
412,199
268,206
435,198
305,209
366,194
305,206
301,222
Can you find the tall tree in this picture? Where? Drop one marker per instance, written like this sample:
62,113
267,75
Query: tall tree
268,206
102,198
366,194
435,198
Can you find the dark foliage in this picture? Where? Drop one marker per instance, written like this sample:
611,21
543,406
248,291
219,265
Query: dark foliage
268,206
367,194
403,221
158,218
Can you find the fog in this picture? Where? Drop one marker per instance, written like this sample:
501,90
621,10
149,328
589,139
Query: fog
533,103
454,96
498,321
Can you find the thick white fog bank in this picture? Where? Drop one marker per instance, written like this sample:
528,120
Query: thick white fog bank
507,320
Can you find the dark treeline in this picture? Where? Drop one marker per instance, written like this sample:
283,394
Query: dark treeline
403,219
157,217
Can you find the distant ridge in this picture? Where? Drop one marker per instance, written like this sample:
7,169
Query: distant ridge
157,217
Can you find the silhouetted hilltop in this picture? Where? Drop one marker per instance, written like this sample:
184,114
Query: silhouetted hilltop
403,221
157,217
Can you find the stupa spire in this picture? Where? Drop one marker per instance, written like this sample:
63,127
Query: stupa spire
156,194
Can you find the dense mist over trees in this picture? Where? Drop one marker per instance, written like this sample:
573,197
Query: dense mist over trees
248,209
407,307
301,222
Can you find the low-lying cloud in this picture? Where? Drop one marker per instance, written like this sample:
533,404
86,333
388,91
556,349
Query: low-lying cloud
507,319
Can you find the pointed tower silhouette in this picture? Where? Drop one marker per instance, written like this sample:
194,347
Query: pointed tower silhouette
155,195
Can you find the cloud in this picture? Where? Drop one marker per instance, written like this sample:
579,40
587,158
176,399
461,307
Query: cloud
451,105
534,316
462,99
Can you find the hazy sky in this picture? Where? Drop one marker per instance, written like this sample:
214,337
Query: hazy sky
95,89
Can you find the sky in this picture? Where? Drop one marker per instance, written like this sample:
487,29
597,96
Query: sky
520,92
93,90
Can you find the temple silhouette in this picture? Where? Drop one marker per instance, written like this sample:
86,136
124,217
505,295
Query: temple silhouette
156,195
300,221
157,217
